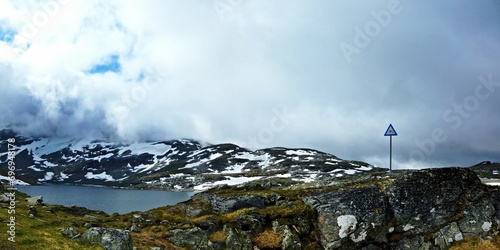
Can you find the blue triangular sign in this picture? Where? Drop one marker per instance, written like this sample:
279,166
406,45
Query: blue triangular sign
390,131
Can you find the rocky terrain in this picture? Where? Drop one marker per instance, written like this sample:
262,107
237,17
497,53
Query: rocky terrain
275,198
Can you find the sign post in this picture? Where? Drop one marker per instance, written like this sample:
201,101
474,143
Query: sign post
390,132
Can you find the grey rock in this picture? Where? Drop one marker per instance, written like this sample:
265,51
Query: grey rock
250,222
210,224
237,240
351,217
193,238
35,200
135,229
428,200
415,243
110,239
448,235
195,212
4,198
290,240
69,232
32,212
230,204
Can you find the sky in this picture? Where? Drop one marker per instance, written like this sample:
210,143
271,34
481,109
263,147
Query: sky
325,74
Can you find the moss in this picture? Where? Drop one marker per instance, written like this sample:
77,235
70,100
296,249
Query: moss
231,217
286,209
268,239
472,243
218,237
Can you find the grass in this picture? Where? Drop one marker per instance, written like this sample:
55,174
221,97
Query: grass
41,232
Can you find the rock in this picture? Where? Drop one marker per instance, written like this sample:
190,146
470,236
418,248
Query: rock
447,235
230,204
193,238
135,229
210,224
236,239
35,200
290,240
250,222
4,198
69,232
425,201
195,212
75,210
110,239
32,212
351,217
415,243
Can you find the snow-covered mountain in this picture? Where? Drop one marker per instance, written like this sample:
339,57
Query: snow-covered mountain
171,165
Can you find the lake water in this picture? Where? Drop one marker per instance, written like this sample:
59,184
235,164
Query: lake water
109,200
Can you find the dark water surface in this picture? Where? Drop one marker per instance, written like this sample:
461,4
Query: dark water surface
109,200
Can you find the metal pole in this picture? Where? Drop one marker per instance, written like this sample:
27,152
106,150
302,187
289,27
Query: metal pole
390,156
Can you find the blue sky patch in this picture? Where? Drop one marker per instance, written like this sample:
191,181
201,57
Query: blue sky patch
111,64
7,35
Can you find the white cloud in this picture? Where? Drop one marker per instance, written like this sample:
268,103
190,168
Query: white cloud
220,78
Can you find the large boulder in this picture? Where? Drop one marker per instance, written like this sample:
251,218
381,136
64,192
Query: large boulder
110,239
193,238
426,201
351,218
422,209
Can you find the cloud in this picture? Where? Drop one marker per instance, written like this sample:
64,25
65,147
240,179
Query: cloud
259,74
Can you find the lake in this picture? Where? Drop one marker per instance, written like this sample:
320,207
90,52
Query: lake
109,200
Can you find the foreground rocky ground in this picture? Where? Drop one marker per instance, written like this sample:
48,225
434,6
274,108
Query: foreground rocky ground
425,209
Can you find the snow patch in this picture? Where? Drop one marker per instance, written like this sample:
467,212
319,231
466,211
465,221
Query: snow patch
48,176
231,182
101,176
350,171
234,169
299,152
362,168
35,168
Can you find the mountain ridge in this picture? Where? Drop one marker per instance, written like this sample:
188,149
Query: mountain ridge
182,164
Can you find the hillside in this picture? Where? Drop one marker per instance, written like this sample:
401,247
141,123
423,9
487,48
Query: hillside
167,165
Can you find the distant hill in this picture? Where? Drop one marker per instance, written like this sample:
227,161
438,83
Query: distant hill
182,164
487,169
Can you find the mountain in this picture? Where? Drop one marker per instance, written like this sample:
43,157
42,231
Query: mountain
168,165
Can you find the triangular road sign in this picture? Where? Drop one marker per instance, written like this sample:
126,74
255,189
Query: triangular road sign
390,131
